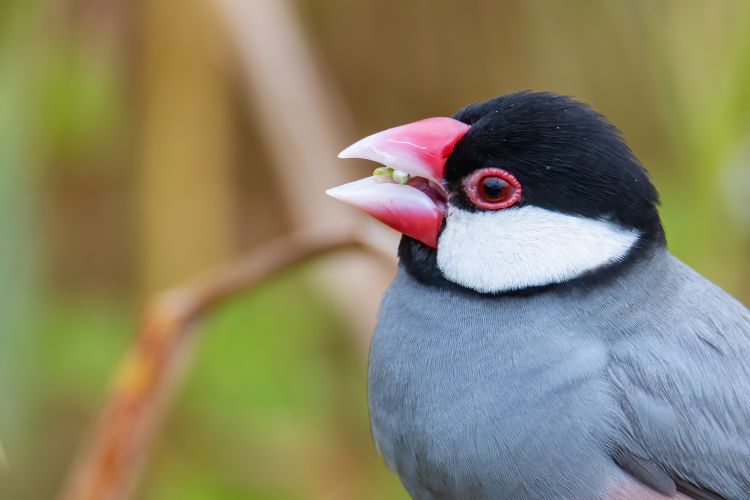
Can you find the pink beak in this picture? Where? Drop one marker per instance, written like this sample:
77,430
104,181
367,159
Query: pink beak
414,207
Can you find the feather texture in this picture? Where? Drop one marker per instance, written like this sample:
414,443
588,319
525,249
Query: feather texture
541,396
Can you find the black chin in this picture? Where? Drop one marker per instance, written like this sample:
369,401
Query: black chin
420,261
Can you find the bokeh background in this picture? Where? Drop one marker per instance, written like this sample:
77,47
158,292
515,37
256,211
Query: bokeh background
144,142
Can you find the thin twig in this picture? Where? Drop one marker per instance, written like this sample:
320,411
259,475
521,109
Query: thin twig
109,465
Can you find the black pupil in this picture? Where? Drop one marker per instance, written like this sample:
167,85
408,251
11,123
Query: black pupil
493,188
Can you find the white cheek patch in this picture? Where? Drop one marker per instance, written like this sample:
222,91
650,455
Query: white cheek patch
495,251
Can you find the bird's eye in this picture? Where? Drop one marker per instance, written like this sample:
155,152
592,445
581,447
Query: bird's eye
492,188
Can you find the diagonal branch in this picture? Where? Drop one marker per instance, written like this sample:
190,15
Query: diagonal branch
148,374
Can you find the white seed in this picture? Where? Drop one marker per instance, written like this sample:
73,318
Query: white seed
400,177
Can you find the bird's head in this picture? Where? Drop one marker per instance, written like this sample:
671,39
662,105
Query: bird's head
521,191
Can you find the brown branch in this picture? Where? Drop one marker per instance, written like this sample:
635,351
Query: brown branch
108,467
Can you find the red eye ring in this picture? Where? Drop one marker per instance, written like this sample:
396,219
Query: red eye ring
475,187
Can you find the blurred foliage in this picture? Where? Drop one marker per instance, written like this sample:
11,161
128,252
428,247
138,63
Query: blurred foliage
276,405
78,104
17,244
275,408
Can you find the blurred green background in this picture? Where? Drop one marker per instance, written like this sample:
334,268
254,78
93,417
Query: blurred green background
132,158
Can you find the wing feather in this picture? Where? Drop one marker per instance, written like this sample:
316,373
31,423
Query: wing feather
683,377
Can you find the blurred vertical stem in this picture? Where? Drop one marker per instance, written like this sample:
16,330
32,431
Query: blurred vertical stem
302,120
16,248
184,132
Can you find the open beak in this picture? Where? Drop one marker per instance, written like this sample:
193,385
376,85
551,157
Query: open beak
408,195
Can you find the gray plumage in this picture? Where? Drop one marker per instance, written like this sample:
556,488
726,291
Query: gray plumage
558,394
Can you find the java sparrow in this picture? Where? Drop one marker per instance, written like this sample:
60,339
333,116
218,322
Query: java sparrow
539,340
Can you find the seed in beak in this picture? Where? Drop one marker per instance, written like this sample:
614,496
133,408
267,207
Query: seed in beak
397,175
400,177
382,172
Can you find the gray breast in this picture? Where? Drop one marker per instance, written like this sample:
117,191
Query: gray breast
477,397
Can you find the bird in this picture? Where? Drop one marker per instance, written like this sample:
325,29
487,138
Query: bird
539,340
